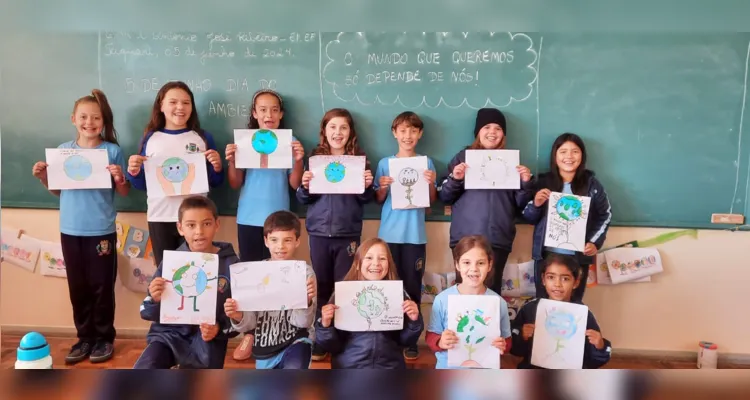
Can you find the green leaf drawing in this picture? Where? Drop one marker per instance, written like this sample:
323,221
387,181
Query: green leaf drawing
480,320
468,337
472,328
462,323
480,339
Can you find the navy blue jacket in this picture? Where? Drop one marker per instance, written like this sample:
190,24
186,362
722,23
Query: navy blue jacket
368,350
488,212
592,357
600,216
186,342
335,215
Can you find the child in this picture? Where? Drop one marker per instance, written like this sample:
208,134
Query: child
568,174
190,346
87,233
282,339
561,275
264,191
404,230
490,213
373,262
174,129
334,221
473,260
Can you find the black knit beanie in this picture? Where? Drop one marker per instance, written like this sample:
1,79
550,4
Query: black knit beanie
489,116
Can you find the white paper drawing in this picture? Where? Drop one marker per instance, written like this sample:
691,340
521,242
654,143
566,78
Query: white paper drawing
369,306
492,169
263,148
78,169
629,264
559,335
526,278
409,188
602,272
432,285
135,273
337,174
20,251
567,216
189,295
51,261
476,321
269,285
177,175
511,283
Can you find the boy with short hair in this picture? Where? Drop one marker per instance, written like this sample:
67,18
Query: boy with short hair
404,230
190,346
281,339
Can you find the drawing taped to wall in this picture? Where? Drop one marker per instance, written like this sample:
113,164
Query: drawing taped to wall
189,276
369,305
492,169
559,335
630,264
567,216
263,148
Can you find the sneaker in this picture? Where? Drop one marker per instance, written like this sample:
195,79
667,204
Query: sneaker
318,354
245,349
78,352
411,353
102,352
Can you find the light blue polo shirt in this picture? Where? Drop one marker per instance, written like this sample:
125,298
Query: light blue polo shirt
439,320
264,192
401,226
90,212
567,189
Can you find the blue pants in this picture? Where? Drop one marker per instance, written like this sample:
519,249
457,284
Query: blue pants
252,244
156,355
410,262
296,356
331,259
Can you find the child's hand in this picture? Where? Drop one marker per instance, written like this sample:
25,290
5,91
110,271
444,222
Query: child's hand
590,249
156,288
232,310
135,162
209,332
368,178
541,197
525,173
231,152
459,171
298,150
215,159
312,290
411,310
385,182
40,170
447,340
595,338
326,314
306,178
429,176
527,331
499,343
116,172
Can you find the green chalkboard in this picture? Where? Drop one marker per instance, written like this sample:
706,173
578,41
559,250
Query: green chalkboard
661,114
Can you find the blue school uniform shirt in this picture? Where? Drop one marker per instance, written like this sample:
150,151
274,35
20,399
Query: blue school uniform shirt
439,320
401,226
264,192
90,212
567,189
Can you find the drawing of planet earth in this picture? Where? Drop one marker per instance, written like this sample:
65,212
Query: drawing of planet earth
494,167
265,141
175,169
371,304
560,324
77,168
190,281
569,208
408,176
335,172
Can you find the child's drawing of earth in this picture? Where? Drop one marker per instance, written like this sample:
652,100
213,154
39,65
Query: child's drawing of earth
371,304
335,172
77,168
569,208
265,141
560,324
190,281
175,169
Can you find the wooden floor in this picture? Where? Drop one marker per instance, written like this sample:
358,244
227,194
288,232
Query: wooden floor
127,352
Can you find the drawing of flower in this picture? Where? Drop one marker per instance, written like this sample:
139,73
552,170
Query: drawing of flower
472,323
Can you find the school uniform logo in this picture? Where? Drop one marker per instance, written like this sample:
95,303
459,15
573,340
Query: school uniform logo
103,248
191,148
419,264
352,249
223,284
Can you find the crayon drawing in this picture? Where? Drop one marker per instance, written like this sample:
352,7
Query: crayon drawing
264,148
492,169
189,276
78,169
409,188
559,335
602,272
269,285
476,321
22,252
337,174
135,273
369,305
511,283
135,242
630,264
176,175
51,261
567,216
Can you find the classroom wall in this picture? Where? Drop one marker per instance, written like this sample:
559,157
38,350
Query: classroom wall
698,297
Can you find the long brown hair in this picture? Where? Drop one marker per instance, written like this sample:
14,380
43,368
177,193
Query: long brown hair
158,121
352,145
252,122
465,245
355,273
97,97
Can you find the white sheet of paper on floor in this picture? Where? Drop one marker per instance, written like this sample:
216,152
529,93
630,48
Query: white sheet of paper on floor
628,264
269,285
492,169
369,306
409,188
190,290
559,335
21,251
476,321
78,169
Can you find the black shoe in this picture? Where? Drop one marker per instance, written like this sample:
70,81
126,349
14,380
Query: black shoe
411,353
102,352
318,354
78,352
